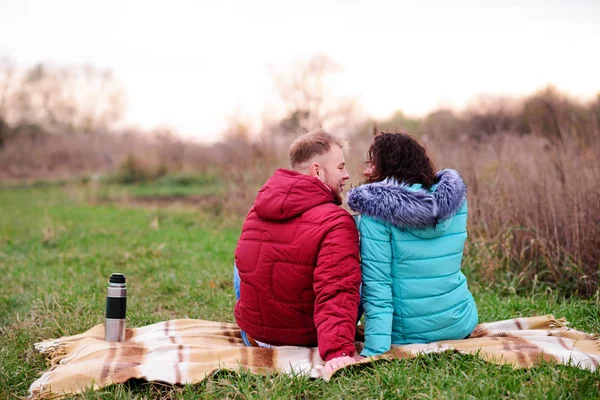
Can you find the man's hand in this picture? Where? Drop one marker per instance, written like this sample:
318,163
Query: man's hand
338,362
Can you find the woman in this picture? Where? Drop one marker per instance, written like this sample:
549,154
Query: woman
413,229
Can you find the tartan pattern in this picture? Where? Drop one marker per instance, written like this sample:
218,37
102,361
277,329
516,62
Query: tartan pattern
187,351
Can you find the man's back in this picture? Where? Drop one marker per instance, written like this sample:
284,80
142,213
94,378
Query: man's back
298,264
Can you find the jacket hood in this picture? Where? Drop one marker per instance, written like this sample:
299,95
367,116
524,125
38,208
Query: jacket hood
288,194
410,206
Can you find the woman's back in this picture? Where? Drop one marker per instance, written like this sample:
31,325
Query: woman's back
412,241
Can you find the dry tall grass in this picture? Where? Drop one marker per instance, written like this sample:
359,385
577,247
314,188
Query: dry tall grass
534,207
534,203
30,155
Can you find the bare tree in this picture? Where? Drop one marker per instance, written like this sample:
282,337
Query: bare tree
7,78
66,99
309,100
559,117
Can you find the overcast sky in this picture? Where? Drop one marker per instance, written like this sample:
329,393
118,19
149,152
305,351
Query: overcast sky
190,65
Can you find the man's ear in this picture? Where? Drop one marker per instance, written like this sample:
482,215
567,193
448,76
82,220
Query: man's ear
315,170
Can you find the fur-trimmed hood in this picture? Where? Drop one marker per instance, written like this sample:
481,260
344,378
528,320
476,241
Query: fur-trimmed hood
411,207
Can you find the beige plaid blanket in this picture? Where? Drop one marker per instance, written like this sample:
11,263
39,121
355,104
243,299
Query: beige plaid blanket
187,351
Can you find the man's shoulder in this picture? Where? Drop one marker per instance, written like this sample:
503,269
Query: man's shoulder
329,208
325,215
329,214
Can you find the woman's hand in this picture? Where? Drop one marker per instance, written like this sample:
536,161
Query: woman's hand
338,362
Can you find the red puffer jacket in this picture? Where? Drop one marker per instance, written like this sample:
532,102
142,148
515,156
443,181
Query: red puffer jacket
298,260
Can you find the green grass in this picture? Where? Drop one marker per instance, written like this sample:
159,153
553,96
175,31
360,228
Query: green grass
56,253
166,186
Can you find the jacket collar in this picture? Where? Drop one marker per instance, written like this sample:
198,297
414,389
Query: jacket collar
410,206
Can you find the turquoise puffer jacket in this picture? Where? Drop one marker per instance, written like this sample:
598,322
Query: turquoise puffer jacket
412,243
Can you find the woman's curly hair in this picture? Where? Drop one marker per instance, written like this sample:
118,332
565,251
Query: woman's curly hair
400,156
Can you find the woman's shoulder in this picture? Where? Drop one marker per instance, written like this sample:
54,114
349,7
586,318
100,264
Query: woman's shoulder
368,224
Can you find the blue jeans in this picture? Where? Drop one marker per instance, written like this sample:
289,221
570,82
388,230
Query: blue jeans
236,289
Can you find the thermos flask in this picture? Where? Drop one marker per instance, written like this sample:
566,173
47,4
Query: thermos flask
116,308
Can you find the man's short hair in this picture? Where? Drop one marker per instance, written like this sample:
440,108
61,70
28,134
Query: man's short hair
312,144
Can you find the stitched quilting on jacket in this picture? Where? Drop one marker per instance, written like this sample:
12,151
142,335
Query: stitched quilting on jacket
412,242
298,262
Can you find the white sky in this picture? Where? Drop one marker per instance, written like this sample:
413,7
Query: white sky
191,65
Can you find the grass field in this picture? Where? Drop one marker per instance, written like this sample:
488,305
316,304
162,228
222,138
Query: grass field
57,251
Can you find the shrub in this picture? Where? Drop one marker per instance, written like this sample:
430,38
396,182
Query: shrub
135,169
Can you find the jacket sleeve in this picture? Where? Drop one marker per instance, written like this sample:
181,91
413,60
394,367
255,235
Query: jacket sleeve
376,265
336,285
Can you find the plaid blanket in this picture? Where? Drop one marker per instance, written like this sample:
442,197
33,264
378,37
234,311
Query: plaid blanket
187,351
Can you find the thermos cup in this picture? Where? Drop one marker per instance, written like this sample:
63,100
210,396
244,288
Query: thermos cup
116,308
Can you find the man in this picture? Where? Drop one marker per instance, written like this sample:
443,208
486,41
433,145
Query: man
298,256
